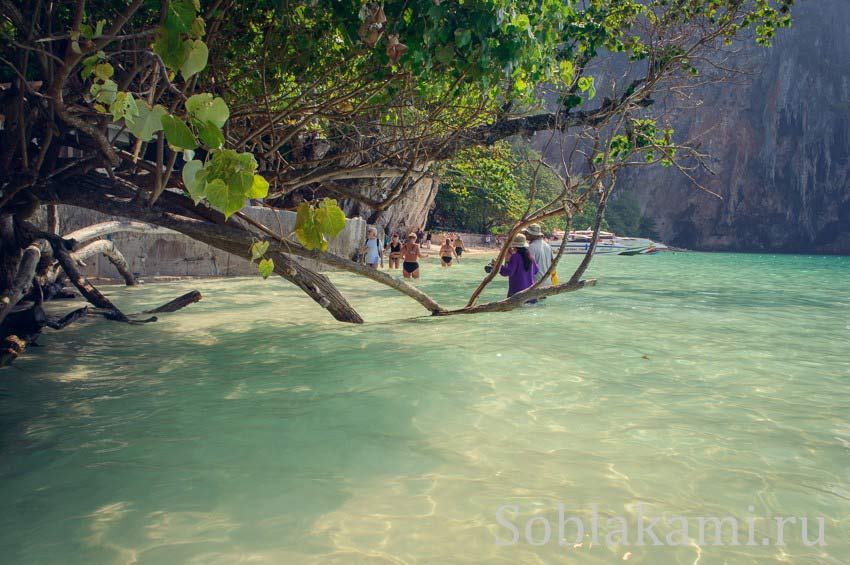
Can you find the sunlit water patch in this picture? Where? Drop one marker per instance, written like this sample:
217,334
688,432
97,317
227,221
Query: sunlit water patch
251,427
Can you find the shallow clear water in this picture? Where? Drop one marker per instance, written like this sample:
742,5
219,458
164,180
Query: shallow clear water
253,428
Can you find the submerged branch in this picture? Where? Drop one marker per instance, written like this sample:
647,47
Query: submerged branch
521,298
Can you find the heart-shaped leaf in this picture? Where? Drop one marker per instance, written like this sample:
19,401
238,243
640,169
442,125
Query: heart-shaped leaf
190,179
258,249
197,59
259,188
266,267
224,197
148,122
177,133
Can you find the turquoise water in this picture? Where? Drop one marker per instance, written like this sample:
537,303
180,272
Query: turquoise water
253,428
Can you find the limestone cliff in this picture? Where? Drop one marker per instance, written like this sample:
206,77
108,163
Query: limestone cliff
780,145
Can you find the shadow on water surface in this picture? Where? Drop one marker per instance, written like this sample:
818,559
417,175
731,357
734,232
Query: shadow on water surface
133,439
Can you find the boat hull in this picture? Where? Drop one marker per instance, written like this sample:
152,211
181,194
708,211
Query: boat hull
616,246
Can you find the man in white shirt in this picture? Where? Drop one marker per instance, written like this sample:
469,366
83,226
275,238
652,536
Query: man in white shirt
373,250
540,252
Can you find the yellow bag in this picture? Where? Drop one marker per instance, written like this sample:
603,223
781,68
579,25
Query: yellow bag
555,281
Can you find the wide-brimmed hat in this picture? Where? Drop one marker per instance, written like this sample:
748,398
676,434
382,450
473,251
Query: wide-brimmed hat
534,229
411,234
519,240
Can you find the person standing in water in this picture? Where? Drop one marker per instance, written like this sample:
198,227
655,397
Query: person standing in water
541,252
447,252
410,255
458,245
395,252
520,268
373,250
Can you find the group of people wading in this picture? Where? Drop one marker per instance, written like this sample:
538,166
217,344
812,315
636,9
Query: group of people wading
528,259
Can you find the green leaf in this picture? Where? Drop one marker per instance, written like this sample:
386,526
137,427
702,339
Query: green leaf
266,268
190,179
210,134
177,133
330,217
104,71
462,37
99,29
259,188
199,27
258,249
197,59
179,15
170,46
148,122
307,231
124,107
573,101
205,108
225,197
89,63
105,91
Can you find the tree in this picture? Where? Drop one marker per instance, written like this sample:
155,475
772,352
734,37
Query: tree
624,217
177,112
487,189
478,190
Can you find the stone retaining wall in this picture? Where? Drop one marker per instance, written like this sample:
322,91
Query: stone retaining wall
169,253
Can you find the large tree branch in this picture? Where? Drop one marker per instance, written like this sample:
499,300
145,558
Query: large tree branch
94,231
93,191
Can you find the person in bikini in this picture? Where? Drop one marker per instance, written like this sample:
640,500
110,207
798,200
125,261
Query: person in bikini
410,255
447,252
395,252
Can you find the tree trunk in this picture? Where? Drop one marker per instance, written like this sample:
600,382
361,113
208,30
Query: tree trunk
22,281
53,219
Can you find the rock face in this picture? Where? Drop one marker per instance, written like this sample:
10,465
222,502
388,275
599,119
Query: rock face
408,213
779,143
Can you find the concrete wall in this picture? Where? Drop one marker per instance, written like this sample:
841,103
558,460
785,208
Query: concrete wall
469,239
173,254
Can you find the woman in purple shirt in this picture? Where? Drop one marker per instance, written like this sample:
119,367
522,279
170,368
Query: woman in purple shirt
520,267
